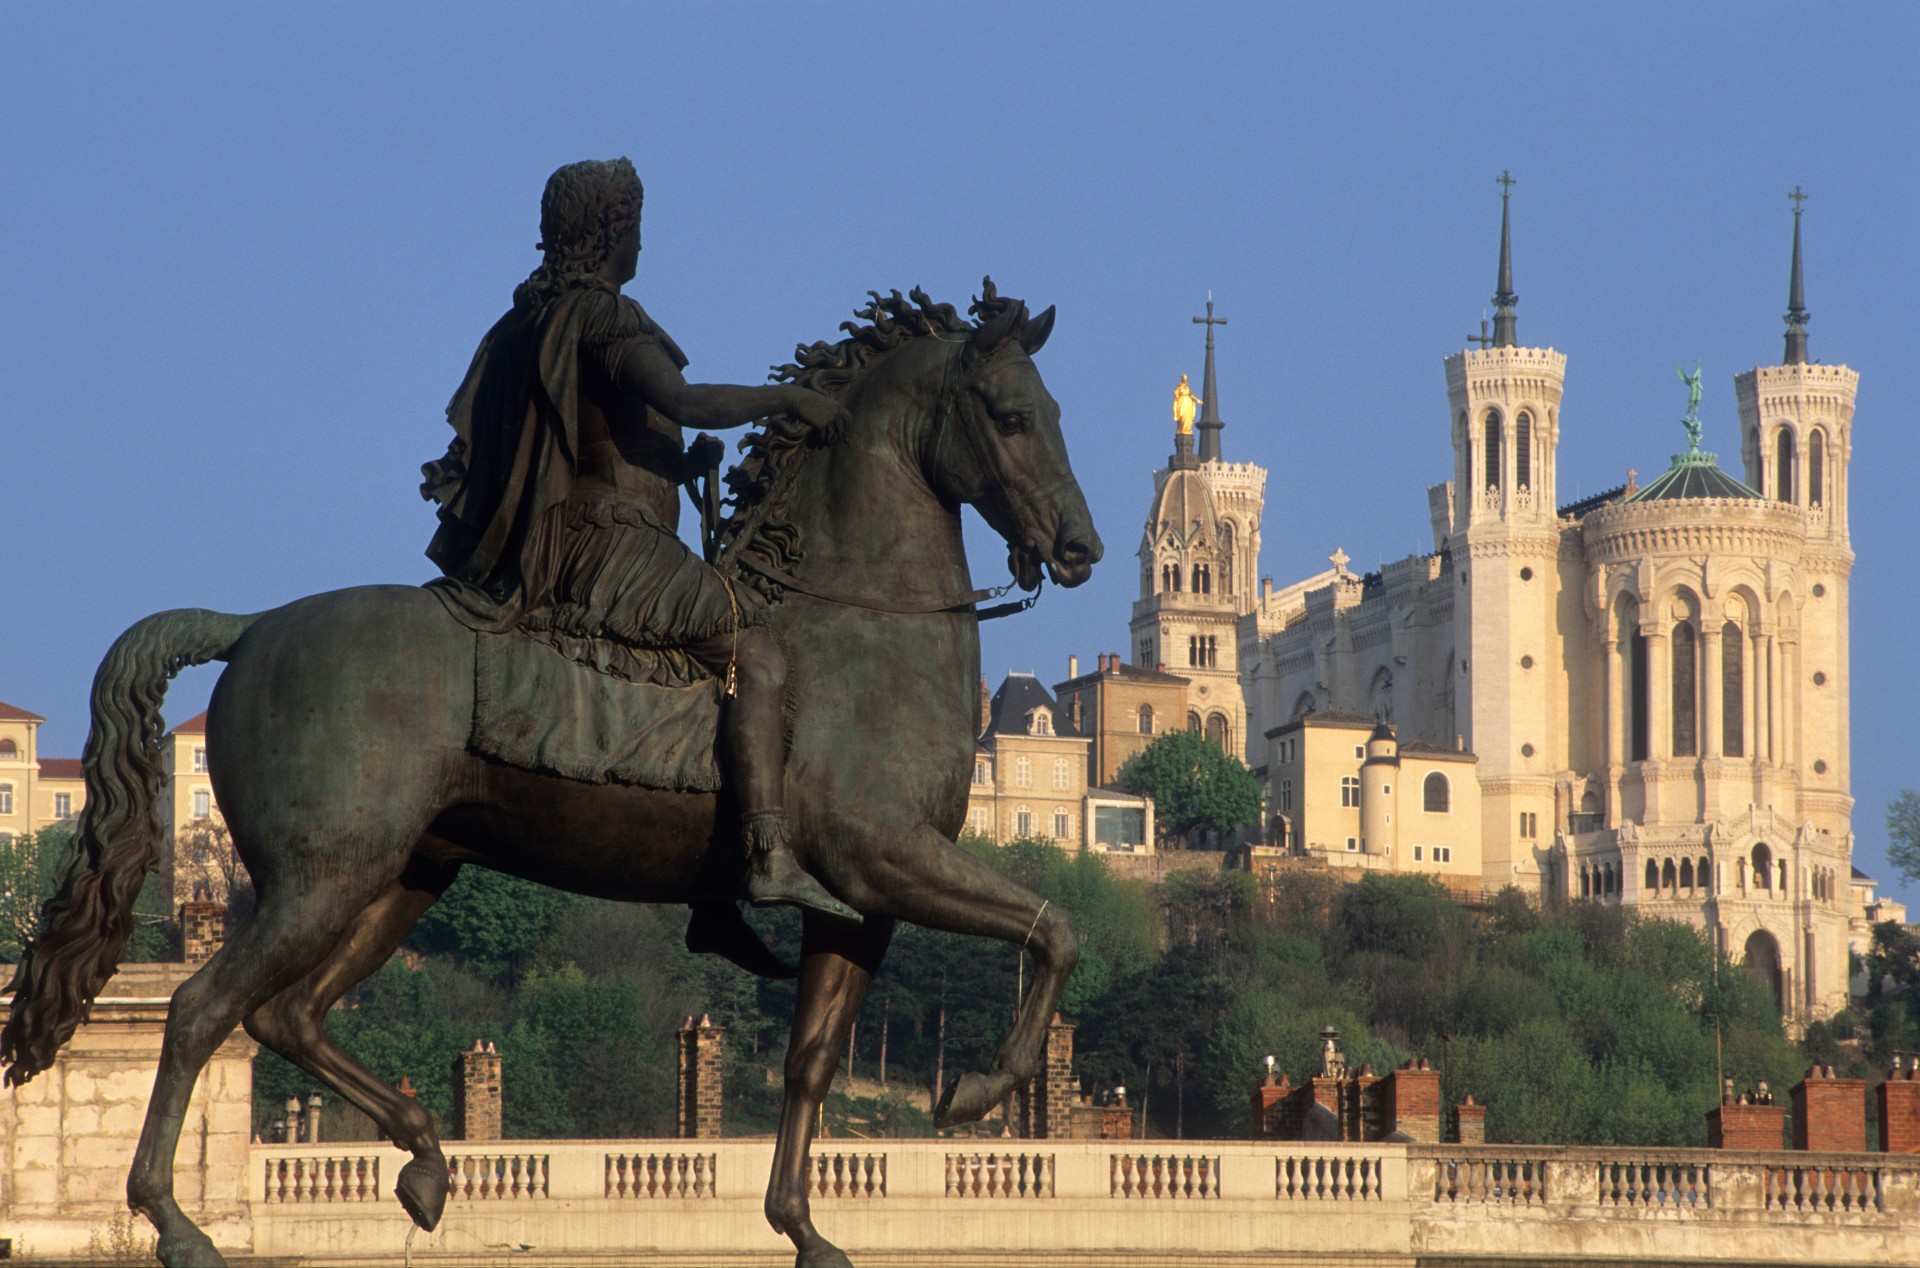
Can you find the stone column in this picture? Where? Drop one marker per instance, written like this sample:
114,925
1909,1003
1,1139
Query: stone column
1789,694
1762,704
1711,670
702,1056
203,926
1613,659
1659,694
311,1131
1046,1104
476,1093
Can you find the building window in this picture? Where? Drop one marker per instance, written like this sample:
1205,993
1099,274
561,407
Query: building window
1443,854
1193,722
1353,845
1062,825
9,751
1146,719
1523,450
200,761
1437,794
1023,773
6,799
1023,822
1059,772
1493,449
1146,653
1638,695
1762,867
1783,466
1416,853
1040,722
1350,790
1217,731
979,771
63,805
1733,686
1685,692
202,804
1816,469
1286,796
980,821
1529,824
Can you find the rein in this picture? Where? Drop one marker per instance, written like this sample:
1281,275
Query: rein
949,392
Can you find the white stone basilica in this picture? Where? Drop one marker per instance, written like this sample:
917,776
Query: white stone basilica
1650,686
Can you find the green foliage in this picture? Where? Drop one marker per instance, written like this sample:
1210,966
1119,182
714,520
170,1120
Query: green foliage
1903,834
489,921
27,864
1194,785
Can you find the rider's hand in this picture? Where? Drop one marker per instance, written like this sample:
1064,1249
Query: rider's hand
823,414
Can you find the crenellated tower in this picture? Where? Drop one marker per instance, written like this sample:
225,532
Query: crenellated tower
1504,545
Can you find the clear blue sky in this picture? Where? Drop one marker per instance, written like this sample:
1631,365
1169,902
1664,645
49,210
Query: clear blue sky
248,251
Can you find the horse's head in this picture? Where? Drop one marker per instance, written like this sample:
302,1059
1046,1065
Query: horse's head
997,446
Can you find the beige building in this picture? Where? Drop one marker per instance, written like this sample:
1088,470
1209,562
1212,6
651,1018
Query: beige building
1654,680
190,816
1030,779
1119,709
35,792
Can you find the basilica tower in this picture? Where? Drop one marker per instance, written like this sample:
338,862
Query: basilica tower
1199,564
1504,544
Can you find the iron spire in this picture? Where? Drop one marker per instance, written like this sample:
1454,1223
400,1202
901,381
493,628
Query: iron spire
1796,298
1504,299
1209,424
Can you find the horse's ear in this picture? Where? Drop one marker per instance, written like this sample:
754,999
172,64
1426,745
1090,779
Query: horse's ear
993,332
1034,337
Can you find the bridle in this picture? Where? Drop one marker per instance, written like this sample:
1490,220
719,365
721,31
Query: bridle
946,405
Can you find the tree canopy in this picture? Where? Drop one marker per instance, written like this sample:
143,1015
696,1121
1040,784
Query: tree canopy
1195,786
1903,834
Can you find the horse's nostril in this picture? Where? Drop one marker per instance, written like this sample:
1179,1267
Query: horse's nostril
1075,553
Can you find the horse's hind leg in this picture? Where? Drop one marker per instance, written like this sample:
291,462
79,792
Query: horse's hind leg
836,964
925,878
289,933
293,1024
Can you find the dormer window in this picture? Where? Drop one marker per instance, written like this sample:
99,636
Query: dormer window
1040,722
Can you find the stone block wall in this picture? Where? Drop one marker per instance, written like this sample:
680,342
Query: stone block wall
476,1094
700,1079
1829,1113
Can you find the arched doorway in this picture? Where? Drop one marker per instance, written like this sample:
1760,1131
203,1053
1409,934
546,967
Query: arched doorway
1762,959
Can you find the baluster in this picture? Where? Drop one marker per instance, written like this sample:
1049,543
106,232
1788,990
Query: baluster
1207,1180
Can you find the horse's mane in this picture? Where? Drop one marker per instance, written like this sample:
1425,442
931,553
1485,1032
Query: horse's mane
758,484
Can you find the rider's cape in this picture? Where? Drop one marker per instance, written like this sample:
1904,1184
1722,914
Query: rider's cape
516,446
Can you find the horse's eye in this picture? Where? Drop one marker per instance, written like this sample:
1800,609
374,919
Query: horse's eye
1013,423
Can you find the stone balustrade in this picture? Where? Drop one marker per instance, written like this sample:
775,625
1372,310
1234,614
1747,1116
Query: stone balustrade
893,1203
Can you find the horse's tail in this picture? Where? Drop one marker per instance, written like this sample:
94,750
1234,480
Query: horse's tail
85,925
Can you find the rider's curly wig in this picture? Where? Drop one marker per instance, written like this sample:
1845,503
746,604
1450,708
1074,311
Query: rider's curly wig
587,208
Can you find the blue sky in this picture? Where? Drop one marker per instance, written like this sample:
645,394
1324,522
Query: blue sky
249,250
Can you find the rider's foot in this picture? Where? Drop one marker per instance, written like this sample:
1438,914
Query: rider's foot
775,879
718,929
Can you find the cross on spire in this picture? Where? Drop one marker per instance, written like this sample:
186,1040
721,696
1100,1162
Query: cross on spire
1209,424
1796,197
1506,183
1503,295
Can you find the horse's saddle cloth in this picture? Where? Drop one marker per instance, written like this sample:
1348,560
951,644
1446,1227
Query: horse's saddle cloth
538,710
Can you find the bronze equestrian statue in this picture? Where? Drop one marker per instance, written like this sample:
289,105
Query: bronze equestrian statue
367,743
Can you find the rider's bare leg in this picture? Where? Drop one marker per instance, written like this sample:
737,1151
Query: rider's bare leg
753,744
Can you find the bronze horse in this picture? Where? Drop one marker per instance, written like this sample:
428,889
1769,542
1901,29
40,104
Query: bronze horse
338,744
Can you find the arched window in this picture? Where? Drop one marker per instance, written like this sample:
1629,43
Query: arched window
1023,822
1816,469
1783,466
1611,889
1226,556
1146,719
1062,823
1686,682
1668,877
1436,794
1653,876
1493,449
1703,876
1202,579
8,751
1523,450
1638,695
1217,730
1762,959
1193,721
1686,873
1586,884
1733,690
1762,867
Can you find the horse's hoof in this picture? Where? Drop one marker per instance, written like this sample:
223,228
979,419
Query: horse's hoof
967,1100
422,1190
191,1249
822,1254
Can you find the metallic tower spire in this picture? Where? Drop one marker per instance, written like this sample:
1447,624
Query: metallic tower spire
1504,299
1209,424
1796,298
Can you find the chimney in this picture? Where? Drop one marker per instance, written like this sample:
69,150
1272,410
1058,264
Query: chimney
476,1093
1410,1102
312,1130
1073,666
1898,1102
1472,1120
1829,1113
1046,1104
702,1050
290,1121
203,924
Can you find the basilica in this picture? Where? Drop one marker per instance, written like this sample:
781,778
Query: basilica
1638,698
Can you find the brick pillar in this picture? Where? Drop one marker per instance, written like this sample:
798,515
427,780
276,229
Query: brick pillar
1829,1113
476,1093
1898,1103
1472,1120
1410,1102
1046,1104
1740,1125
1267,1100
204,926
1361,1117
702,1051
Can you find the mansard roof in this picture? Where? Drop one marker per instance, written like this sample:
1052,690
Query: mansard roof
1019,695
1694,475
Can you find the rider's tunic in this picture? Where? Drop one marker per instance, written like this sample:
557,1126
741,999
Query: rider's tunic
560,524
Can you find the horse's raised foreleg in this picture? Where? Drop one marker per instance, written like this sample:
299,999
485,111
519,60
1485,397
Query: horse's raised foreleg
293,1024
285,938
925,878
836,964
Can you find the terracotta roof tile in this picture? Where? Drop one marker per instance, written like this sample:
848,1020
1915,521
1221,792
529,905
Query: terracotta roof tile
60,768
12,713
195,725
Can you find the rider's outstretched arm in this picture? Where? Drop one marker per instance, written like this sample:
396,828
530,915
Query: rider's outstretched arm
645,371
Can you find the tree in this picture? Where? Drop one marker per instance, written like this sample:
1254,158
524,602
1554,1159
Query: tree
1194,786
1903,834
